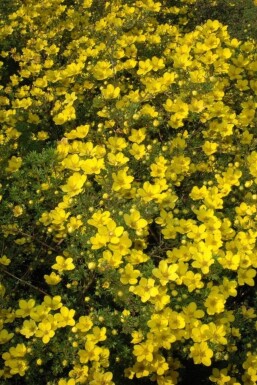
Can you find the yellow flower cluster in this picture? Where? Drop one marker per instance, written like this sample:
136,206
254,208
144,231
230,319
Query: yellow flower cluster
128,195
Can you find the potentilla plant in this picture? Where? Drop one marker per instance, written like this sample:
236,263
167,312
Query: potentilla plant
128,196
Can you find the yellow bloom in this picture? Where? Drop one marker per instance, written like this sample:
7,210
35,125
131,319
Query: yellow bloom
85,323
110,92
79,133
72,162
134,220
165,272
102,70
67,114
17,366
157,63
129,275
92,166
4,260
29,328
215,303
25,307
217,334
63,264
17,211
102,379
52,279
74,184
144,67
144,351
138,151
229,260
192,281
149,191
137,136
145,289
65,317
117,159
201,353
53,303
116,143
209,148
45,331
99,334
192,313
5,336
246,276
122,180
62,381
14,164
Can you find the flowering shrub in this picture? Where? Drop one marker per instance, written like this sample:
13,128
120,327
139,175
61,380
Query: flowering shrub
128,195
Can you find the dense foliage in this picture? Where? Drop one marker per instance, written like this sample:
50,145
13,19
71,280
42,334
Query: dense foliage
128,195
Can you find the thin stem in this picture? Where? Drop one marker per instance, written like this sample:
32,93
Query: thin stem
37,240
24,282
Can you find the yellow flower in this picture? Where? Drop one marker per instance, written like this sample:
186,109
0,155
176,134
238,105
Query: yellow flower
65,317
129,275
201,353
5,261
149,191
74,184
192,281
63,264
116,143
138,151
137,136
14,164
144,67
117,159
17,366
17,211
229,260
192,313
99,334
68,113
217,333
198,193
102,70
145,289
62,381
102,379
122,180
110,92
144,351
165,272
221,376
72,162
92,166
52,279
215,303
137,337
85,323
209,148
134,220
29,328
246,276
25,307
157,63
203,260
79,133
5,336
74,224
45,331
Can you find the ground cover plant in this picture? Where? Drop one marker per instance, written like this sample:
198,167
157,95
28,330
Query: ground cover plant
128,195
